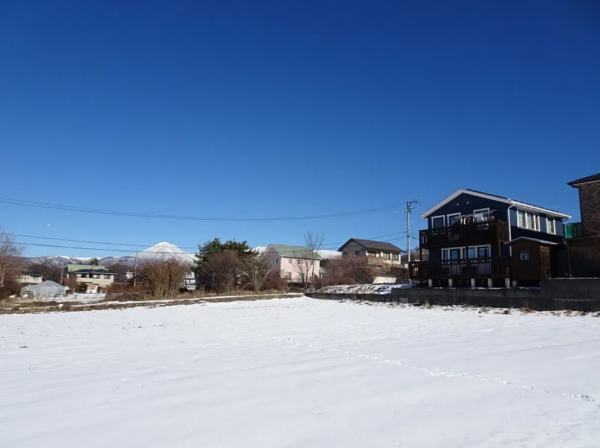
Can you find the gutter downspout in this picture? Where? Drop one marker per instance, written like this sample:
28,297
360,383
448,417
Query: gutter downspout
510,228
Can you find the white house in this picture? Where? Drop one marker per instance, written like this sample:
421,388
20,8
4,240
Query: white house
296,264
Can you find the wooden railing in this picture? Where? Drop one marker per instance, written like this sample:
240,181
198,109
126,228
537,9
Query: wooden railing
465,234
472,268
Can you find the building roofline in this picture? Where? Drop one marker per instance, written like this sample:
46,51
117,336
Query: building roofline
492,197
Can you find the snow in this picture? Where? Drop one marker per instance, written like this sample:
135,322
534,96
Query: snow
298,373
329,254
378,288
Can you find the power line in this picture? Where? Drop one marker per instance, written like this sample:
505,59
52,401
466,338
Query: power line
332,244
46,205
128,251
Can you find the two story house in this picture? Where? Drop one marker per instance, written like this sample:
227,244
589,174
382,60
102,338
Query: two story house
296,264
95,277
583,238
378,252
467,235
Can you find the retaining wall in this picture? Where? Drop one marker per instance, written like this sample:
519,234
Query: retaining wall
555,294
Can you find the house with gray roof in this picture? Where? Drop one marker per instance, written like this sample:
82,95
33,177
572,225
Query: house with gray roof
379,252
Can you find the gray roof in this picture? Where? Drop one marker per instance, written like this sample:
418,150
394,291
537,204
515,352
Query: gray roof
374,245
535,240
583,180
285,251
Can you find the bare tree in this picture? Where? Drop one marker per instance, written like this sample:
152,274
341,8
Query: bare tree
163,277
349,270
219,273
255,271
11,258
307,258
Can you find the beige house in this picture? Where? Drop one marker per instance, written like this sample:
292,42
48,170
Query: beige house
296,264
29,279
94,277
379,252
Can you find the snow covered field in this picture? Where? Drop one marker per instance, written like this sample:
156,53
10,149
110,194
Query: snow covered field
298,373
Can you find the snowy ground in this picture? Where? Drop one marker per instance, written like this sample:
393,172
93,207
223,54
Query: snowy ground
298,373
378,288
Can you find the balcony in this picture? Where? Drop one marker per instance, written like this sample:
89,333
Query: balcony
574,230
468,234
465,269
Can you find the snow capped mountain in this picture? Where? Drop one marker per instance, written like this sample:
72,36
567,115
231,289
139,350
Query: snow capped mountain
329,254
160,251
61,260
165,250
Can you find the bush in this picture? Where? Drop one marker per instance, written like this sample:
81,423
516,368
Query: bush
349,270
163,277
274,281
220,272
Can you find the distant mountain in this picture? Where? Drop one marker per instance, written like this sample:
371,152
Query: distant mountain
160,251
61,260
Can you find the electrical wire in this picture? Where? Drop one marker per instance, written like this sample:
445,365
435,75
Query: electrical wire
46,205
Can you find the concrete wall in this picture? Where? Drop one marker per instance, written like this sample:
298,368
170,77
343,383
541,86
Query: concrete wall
555,294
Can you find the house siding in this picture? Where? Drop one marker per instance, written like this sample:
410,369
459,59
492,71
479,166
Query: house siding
465,204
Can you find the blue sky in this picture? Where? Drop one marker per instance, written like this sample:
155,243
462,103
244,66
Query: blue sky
270,108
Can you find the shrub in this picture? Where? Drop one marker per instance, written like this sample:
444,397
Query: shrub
349,270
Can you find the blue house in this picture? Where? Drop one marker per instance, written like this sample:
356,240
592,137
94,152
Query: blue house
469,233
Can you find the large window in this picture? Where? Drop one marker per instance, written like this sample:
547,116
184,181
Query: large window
438,222
395,257
386,255
551,226
528,221
453,218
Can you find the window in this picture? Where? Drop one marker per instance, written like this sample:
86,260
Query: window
357,252
395,257
276,260
438,222
551,226
288,275
107,277
485,212
483,252
96,276
290,260
371,254
528,220
453,218
299,261
78,275
386,255
520,219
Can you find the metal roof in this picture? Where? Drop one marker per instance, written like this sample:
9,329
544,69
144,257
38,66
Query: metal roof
285,251
374,245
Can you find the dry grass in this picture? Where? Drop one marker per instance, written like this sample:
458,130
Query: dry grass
53,306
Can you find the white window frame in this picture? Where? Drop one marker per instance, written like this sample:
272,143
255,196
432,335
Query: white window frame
439,216
553,221
450,215
482,210
464,253
535,221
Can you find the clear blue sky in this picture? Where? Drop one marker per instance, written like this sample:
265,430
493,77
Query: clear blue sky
287,108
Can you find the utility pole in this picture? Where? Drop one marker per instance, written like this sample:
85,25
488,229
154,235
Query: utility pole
409,210
135,269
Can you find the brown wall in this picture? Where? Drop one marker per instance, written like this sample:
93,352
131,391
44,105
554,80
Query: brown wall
585,257
589,202
526,269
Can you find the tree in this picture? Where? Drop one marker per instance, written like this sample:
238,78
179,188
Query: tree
94,262
308,256
47,270
11,259
120,270
219,273
215,246
255,271
163,277
349,270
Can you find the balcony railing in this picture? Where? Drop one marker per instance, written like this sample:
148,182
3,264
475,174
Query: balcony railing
472,268
573,230
468,234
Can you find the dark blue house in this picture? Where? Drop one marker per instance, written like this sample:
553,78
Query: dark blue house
467,233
